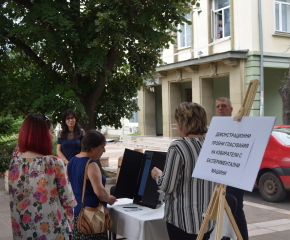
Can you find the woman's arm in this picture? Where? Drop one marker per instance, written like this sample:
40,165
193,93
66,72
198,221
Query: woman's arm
167,179
63,187
95,176
64,190
60,154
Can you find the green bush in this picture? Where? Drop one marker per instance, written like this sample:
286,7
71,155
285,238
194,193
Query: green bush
6,153
7,150
54,143
9,126
13,138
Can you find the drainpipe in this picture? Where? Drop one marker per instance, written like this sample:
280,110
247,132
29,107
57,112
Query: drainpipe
261,62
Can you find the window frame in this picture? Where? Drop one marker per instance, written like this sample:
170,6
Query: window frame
134,118
214,22
185,34
280,30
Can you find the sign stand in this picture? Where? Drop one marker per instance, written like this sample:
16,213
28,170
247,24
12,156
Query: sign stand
218,203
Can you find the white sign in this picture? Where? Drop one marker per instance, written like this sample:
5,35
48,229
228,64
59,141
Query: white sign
233,151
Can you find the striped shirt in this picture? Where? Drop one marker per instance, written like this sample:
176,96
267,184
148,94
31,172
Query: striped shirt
186,198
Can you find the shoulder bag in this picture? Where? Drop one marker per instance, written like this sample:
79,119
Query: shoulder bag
93,220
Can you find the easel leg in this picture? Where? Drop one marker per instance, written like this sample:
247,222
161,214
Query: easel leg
220,213
211,212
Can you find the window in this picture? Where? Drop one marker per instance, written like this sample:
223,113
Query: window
282,15
184,37
221,19
134,118
188,94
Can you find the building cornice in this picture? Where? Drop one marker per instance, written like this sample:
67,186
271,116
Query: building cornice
273,60
243,54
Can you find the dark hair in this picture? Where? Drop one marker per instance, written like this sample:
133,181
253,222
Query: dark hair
191,118
92,139
65,130
34,134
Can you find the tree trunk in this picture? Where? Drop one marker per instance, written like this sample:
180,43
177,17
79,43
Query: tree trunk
284,92
90,102
91,99
89,123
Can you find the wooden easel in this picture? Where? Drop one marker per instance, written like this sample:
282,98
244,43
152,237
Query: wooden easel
218,203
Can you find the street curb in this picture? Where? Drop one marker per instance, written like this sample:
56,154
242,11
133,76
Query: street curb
261,206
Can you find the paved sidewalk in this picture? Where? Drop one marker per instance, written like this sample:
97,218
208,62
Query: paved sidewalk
264,222
5,219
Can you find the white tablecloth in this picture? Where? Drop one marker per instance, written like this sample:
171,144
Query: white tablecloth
147,223
138,225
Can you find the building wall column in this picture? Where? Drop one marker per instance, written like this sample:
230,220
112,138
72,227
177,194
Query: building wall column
146,115
237,86
207,97
196,89
252,72
175,100
165,108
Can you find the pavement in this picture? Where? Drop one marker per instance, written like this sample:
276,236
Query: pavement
264,222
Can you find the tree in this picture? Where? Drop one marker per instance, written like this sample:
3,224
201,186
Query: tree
91,56
284,92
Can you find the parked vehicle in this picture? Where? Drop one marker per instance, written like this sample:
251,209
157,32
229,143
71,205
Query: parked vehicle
274,175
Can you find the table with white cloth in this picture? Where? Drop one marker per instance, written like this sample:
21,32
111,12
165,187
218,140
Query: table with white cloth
144,224
148,223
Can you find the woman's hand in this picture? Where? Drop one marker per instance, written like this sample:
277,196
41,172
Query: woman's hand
155,173
60,154
112,200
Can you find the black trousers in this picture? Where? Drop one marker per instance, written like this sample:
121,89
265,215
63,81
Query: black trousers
240,217
176,233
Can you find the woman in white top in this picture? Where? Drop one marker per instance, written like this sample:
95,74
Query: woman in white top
41,198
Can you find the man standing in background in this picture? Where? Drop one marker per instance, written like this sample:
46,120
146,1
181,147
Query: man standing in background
224,108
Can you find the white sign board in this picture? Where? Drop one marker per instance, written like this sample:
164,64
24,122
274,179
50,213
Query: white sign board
233,151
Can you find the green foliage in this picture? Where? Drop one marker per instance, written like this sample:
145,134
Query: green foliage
54,144
5,156
133,134
9,126
91,56
5,139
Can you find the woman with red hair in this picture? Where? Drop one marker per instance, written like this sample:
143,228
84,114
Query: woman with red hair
41,198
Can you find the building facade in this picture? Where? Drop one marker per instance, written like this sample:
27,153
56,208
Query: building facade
217,56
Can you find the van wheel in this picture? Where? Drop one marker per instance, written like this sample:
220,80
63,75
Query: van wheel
271,187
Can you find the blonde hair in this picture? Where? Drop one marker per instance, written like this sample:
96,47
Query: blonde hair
191,118
224,99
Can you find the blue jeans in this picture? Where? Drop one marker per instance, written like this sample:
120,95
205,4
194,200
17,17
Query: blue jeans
240,217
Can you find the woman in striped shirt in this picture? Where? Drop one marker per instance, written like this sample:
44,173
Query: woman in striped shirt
186,198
